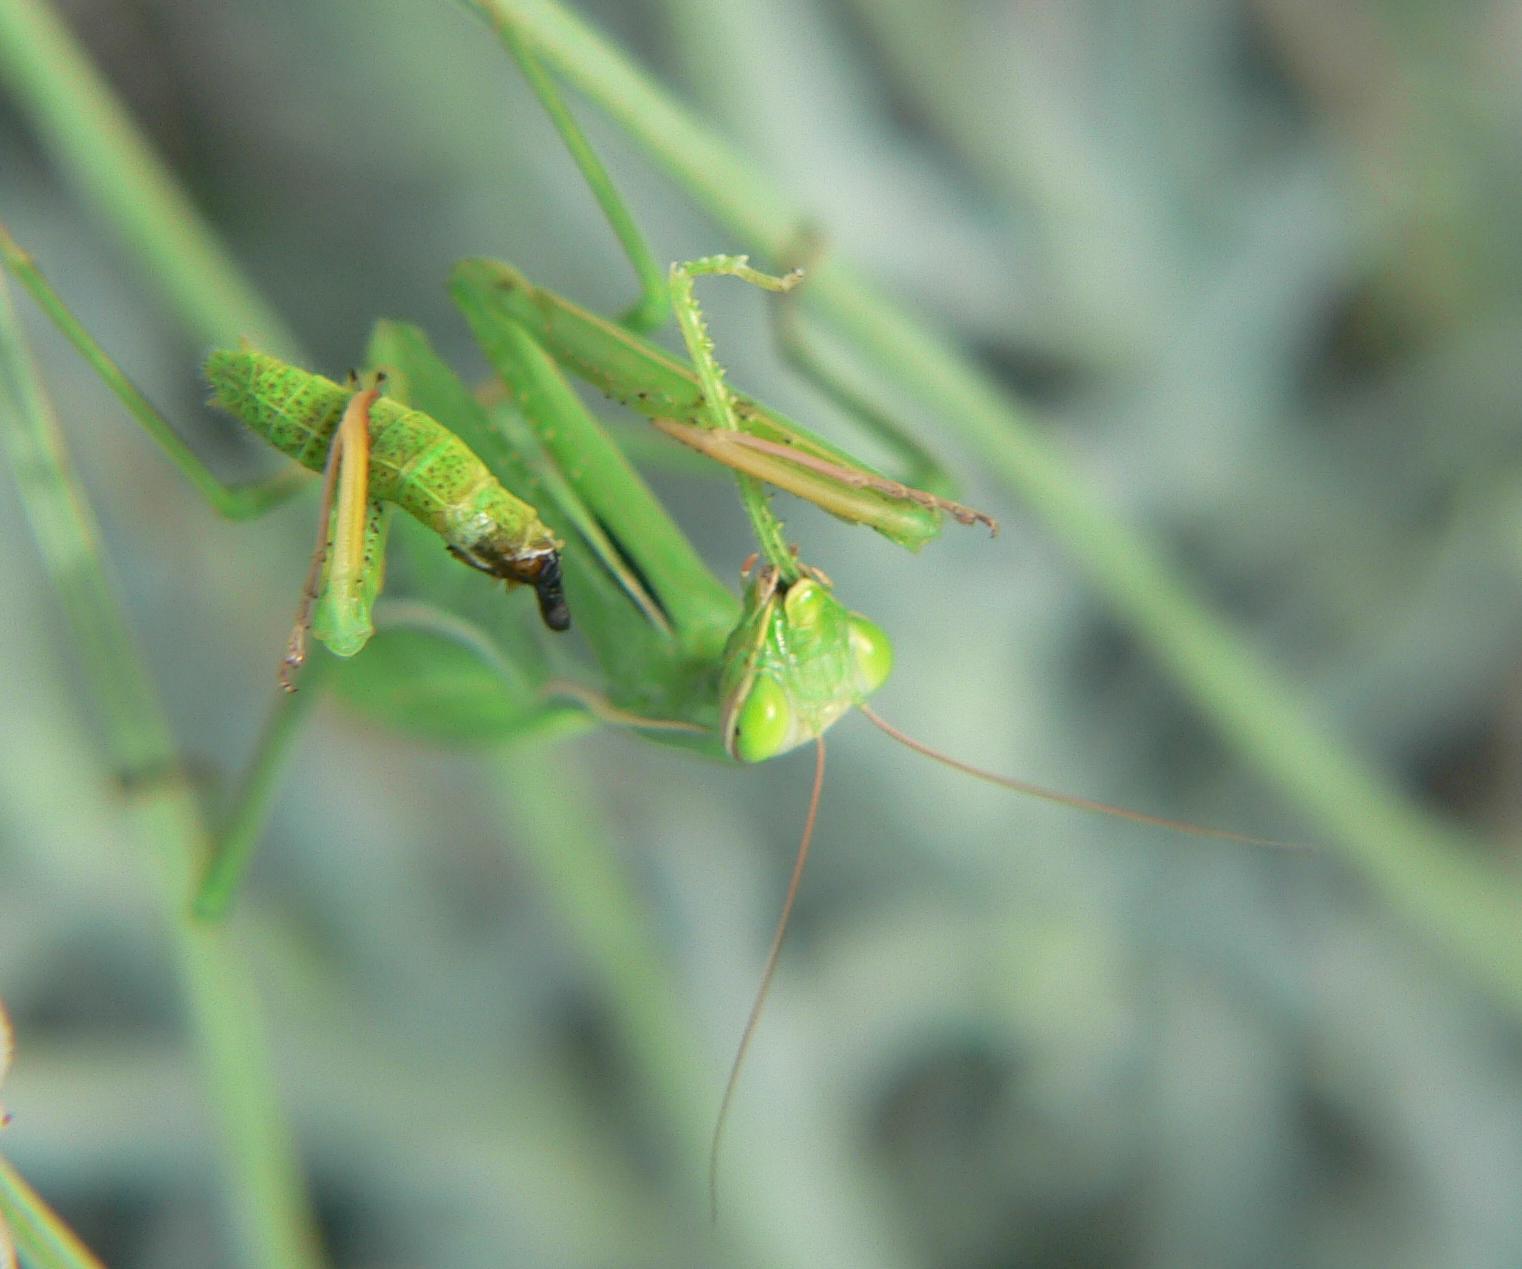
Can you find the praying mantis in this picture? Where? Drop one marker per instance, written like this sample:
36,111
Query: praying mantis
939,925
679,660
535,711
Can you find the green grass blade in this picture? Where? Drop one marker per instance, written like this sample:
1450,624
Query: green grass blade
263,1178
92,139
38,1231
718,404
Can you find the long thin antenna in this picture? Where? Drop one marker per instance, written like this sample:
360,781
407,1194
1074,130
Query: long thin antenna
749,1033
1067,799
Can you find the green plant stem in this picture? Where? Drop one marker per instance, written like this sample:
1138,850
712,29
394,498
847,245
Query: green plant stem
1426,869
36,1228
571,856
273,1225
94,142
250,809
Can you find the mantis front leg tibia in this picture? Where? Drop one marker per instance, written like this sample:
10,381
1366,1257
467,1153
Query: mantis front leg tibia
717,406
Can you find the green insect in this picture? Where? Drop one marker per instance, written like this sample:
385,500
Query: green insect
385,453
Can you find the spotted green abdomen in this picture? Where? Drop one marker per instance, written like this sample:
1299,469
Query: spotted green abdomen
415,462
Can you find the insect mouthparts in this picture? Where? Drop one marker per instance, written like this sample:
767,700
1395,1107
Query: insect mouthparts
550,591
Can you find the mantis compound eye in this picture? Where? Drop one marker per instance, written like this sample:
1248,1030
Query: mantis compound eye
764,723
871,654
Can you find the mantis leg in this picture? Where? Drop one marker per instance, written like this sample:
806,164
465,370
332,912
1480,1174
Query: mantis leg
236,502
920,468
726,426
653,306
717,404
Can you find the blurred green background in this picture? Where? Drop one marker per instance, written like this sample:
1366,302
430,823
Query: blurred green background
1254,266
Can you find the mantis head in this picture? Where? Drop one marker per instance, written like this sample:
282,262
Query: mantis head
797,661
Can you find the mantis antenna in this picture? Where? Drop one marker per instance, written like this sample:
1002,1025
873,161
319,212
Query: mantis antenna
764,989
1066,799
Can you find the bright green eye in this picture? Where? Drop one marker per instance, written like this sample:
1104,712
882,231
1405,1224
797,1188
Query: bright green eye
764,722
871,652
804,602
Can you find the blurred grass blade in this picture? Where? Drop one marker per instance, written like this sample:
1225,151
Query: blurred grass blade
263,1177
39,1232
89,135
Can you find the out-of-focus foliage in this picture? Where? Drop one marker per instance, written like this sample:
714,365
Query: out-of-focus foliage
1257,264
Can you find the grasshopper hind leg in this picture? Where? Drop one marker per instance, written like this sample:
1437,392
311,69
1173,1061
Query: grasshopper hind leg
342,576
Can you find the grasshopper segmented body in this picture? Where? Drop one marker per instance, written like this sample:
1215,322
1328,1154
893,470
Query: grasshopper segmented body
415,462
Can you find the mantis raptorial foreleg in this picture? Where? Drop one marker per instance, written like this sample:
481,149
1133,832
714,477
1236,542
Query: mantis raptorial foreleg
717,407
728,436
724,435
921,469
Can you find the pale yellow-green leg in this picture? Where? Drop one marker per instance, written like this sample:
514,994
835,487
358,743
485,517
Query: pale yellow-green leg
355,561
718,405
